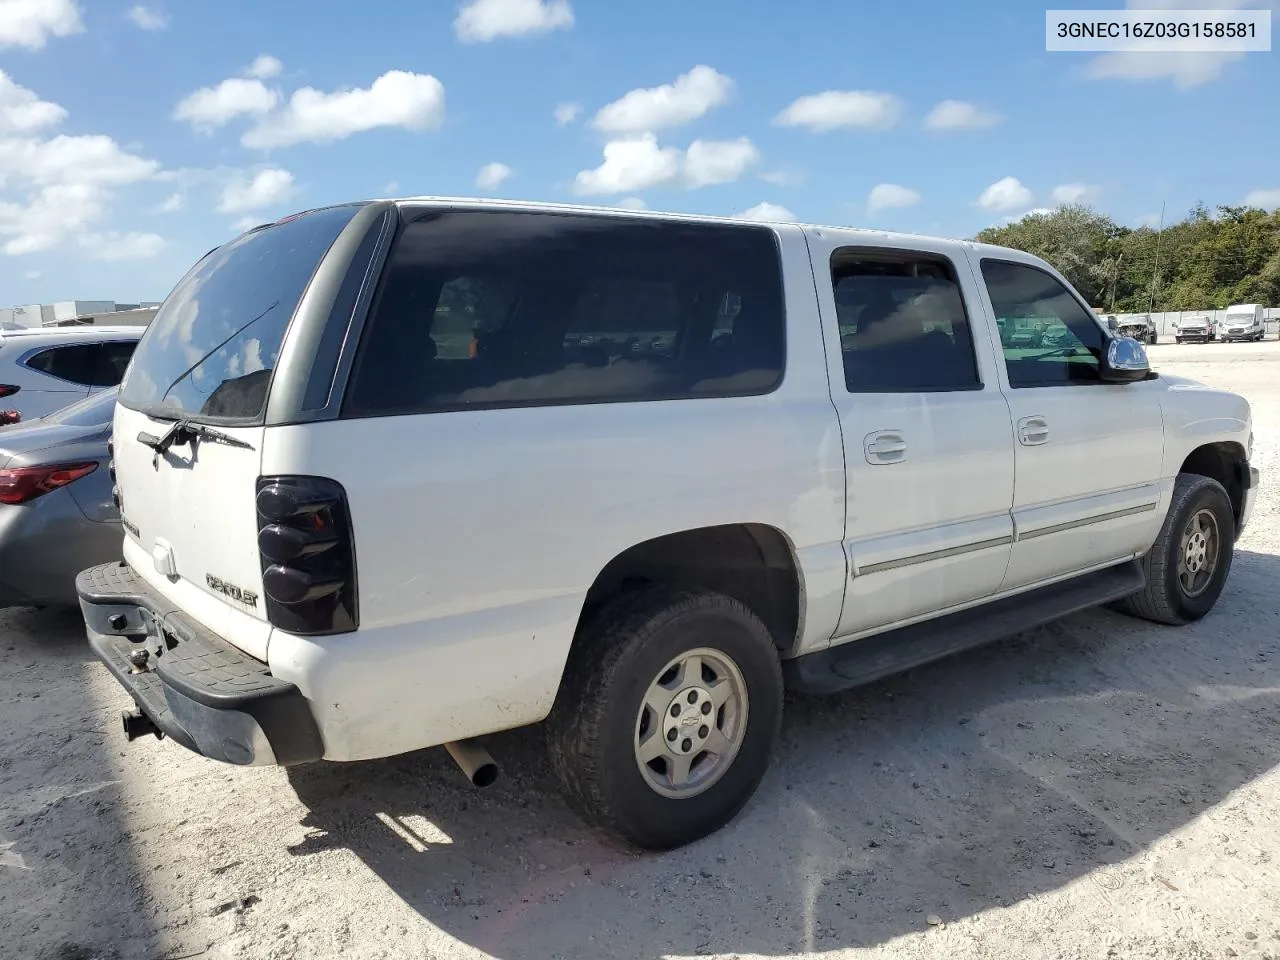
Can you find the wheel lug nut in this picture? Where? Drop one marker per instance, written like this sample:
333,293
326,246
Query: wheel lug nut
693,696
686,745
671,736
706,709
675,709
703,731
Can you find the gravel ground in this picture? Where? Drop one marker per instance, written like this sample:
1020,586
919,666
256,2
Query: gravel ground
1098,788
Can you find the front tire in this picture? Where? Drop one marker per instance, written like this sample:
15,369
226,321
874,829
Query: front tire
1187,566
667,717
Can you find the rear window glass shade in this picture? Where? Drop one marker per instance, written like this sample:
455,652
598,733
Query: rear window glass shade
496,309
73,362
212,346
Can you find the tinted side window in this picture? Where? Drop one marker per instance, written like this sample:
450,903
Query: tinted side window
903,326
73,362
1049,339
491,309
112,361
212,346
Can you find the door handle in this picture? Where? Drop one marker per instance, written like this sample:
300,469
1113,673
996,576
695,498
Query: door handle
884,447
1033,431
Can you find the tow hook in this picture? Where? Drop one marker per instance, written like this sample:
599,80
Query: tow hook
138,724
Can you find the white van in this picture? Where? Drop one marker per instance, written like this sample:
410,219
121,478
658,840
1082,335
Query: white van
1243,321
402,474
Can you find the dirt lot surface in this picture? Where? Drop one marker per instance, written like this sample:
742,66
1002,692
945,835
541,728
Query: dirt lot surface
1099,788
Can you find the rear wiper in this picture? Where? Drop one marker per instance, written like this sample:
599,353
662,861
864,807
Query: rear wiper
184,431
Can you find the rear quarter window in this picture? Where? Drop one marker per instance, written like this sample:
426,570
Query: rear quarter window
211,348
483,309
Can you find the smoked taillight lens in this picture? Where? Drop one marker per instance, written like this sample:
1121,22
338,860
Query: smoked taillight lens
307,551
21,485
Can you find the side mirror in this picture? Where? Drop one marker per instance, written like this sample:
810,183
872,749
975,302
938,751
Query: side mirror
1125,361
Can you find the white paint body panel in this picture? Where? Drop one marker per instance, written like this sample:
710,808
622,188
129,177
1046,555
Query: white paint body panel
478,534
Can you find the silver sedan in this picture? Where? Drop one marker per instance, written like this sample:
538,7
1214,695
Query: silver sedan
57,515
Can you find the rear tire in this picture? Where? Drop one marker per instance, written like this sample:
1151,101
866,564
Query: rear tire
1187,566
661,764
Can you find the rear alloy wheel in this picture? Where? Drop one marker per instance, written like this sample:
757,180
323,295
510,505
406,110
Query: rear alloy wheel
667,717
1187,566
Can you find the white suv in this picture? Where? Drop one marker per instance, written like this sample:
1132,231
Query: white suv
45,369
405,473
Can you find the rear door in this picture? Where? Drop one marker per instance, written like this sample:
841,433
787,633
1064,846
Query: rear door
189,509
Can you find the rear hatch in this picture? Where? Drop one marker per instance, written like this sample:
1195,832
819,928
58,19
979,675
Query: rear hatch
189,432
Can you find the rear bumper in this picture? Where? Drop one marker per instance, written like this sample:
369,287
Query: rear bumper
193,685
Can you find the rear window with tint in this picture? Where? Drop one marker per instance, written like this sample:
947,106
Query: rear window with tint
212,346
496,309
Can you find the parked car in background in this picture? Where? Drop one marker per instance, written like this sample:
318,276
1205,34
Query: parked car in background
1199,329
1139,326
56,509
45,369
1243,322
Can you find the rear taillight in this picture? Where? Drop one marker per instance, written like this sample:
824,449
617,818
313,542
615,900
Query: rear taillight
8,390
23,484
307,552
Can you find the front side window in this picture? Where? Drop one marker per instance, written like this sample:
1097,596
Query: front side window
1049,339
903,326
492,308
211,348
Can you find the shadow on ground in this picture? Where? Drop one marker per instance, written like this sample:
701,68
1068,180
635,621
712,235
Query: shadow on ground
957,788
70,888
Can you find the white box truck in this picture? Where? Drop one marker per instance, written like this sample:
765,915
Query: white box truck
1243,322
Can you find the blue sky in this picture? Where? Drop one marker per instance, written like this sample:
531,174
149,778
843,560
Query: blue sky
135,137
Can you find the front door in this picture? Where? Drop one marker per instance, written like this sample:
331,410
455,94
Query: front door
1088,453
928,441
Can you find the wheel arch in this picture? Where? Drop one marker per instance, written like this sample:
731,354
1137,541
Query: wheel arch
1227,462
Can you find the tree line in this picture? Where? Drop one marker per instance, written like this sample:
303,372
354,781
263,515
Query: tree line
1208,260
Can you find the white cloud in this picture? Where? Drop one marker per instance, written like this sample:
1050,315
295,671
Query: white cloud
53,215
264,189
1149,220
959,115
783,178
1074,193
215,106
710,162
265,67
1266,199
638,163
247,223
631,203
767,211
647,109
566,113
834,109
147,19
1006,194
93,159
480,21
30,23
21,111
32,274
123,246
413,101
1184,69
887,196
630,165
172,203
492,175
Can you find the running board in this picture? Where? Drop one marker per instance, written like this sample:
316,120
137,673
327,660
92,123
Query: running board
863,661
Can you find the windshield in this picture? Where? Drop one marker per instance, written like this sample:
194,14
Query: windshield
93,411
211,348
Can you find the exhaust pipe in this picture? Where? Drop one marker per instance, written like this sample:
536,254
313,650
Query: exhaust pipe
138,724
474,761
